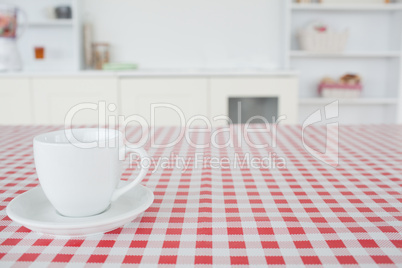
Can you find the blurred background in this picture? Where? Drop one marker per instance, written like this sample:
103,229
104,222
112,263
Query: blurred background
206,57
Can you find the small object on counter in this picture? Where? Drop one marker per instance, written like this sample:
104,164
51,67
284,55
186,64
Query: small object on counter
88,54
303,1
63,12
39,53
349,86
115,66
101,55
8,24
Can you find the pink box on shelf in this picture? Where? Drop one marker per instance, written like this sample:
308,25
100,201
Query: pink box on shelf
339,90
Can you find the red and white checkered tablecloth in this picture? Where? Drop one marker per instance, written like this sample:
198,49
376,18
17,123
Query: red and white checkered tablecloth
307,213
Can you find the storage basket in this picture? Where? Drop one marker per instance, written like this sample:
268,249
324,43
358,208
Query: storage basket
313,41
339,90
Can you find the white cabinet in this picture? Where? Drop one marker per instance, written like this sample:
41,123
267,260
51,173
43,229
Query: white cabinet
55,97
15,101
173,96
284,90
172,100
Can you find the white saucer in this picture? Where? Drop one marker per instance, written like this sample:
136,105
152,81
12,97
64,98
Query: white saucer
33,210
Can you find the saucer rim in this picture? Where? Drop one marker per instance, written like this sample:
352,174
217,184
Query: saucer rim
76,226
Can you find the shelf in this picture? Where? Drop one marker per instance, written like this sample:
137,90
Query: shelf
385,54
347,7
356,101
51,23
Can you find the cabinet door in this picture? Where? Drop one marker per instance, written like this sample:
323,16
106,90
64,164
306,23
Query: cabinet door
187,95
284,90
15,101
55,97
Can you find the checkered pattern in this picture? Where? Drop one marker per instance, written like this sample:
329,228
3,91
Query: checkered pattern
306,213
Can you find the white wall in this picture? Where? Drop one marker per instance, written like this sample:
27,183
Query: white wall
190,33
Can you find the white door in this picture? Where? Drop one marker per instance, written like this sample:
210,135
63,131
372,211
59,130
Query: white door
285,89
173,99
15,101
55,97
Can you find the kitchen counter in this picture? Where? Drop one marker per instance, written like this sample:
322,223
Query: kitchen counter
155,73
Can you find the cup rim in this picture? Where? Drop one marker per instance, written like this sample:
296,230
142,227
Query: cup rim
41,138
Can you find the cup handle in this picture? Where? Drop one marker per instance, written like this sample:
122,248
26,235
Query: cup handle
143,171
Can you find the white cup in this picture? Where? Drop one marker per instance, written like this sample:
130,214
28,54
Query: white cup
79,169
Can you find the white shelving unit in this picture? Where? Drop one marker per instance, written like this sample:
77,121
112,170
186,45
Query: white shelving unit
374,54
61,38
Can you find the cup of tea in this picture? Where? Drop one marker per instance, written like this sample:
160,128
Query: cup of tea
79,169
